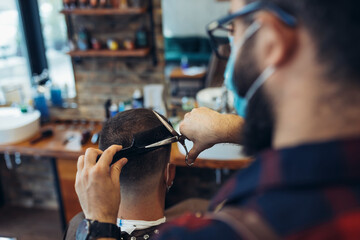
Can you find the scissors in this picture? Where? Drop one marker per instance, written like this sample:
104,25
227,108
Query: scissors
177,138
135,148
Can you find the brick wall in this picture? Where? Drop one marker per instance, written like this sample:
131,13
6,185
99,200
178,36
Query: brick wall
30,184
98,79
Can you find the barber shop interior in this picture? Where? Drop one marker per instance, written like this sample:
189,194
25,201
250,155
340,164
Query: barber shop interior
179,119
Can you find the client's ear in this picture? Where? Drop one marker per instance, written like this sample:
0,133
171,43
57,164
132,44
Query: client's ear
169,174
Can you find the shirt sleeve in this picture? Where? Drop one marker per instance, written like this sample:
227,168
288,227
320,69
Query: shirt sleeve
191,227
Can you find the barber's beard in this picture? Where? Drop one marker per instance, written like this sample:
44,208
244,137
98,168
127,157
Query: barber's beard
259,124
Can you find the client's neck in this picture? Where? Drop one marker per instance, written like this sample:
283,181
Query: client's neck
146,207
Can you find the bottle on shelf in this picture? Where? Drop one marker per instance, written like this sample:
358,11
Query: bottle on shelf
184,62
66,4
96,44
121,106
128,105
107,106
138,99
56,96
83,3
105,4
123,4
113,110
83,42
40,103
141,37
94,3
112,44
72,4
129,44
115,3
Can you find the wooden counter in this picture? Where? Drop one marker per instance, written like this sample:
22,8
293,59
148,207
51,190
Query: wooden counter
55,147
179,160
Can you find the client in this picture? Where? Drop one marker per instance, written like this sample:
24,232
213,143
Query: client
144,180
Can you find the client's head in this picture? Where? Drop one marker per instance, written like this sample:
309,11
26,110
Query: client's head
145,174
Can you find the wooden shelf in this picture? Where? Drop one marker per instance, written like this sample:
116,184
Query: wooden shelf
103,11
108,53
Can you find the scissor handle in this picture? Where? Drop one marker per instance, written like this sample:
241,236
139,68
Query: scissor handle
181,140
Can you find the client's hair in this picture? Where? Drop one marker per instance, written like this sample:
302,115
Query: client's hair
142,171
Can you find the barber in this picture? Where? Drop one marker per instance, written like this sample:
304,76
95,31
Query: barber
295,68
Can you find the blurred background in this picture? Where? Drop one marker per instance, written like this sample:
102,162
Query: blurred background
68,66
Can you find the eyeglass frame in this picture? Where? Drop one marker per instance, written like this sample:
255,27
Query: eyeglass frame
250,8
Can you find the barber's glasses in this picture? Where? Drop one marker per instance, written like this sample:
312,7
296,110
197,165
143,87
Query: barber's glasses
220,30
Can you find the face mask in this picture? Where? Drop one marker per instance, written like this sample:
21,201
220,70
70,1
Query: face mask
240,104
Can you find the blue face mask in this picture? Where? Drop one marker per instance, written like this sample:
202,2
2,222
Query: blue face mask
240,104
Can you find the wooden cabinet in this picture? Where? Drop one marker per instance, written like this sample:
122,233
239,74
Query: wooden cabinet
67,174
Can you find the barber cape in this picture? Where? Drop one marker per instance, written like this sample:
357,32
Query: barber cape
143,229
136,229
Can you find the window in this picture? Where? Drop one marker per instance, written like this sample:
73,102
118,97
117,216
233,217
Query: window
15,82
17,63
55,38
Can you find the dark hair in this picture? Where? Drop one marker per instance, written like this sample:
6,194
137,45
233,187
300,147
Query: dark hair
140,168
334,26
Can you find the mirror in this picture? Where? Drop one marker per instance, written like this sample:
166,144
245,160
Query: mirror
190,63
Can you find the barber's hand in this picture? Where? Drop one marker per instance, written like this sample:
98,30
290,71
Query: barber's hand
98,185
205,128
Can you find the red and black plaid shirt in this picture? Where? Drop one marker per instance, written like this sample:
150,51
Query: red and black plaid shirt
306,192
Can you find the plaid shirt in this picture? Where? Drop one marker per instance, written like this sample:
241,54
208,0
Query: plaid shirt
306,192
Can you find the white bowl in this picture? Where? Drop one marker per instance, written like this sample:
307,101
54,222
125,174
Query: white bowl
207,98
16,126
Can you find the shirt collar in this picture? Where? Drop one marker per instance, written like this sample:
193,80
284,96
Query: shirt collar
131,225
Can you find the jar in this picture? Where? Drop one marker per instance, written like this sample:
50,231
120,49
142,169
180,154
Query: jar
103,3
94,3
129,44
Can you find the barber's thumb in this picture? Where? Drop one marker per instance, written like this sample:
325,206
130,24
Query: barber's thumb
116,168
193,154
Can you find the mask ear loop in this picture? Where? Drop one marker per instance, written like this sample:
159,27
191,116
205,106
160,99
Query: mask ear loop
259,82
249,32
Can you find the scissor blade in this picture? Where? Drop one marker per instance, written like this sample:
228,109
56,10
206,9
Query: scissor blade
163,142
166,124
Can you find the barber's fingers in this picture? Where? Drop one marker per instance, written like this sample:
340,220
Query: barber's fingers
185,129
80,163
196,150
194,153
90,157
107,156
116,169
